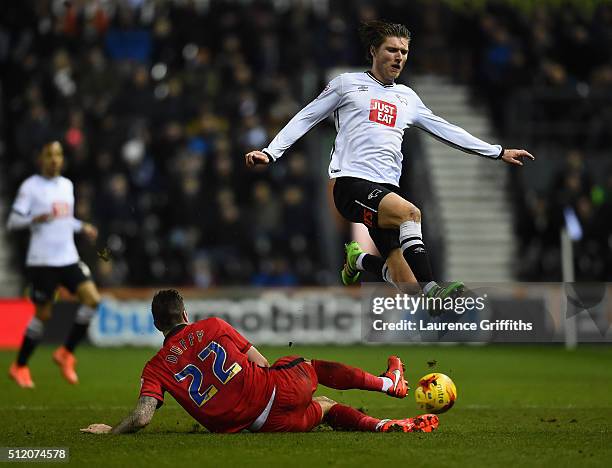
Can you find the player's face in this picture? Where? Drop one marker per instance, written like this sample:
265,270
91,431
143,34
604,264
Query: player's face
389,59
52,160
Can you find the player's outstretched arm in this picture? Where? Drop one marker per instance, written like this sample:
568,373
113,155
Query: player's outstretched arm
299,125
256,357
139,418
515,156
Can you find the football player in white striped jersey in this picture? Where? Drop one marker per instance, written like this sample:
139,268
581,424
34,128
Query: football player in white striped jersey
45,205
371,112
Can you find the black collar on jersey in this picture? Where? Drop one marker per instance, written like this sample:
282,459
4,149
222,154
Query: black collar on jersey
174,331
371,75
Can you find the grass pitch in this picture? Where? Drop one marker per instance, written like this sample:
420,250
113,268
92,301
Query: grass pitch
517,406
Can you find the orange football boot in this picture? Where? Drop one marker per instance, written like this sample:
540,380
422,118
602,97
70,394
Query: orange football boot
395,371
422,423
66,362
21,375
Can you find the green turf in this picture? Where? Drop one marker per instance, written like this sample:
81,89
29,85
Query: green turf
517,406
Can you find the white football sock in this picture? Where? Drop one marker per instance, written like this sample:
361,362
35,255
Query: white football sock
35,328
428,287
381,423
359,262
387,383
410,234
84,314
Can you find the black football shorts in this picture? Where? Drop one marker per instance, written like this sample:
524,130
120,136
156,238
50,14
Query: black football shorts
357,200
44,280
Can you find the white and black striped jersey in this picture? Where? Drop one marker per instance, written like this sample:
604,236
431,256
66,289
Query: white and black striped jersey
52,242
370,119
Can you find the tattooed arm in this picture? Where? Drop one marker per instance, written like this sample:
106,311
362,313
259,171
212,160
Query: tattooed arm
137,419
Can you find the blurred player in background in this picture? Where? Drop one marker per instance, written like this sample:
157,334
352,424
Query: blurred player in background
226,385
45,205
371,112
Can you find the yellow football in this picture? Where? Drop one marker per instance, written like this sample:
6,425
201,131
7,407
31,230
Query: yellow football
435,393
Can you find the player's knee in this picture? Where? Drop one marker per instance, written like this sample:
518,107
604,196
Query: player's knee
395,210
409,212
406,211
325,404
92,299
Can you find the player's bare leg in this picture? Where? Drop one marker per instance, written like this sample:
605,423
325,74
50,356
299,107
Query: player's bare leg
399,271
395,212
343,377
19,370
88,293
89,297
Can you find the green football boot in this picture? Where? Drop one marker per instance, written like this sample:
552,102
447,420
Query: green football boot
349,273
452,290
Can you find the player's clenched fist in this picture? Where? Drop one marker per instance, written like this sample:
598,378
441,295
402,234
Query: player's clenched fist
256,157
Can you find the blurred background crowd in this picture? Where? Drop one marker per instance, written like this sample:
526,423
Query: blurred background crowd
157,101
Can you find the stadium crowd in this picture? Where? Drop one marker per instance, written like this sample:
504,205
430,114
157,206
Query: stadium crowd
157,101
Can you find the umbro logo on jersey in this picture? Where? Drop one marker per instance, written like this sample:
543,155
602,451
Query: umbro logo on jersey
362,88
374,193
419,250
335,171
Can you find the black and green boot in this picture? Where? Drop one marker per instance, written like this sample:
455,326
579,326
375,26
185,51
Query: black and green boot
349,273
452,290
